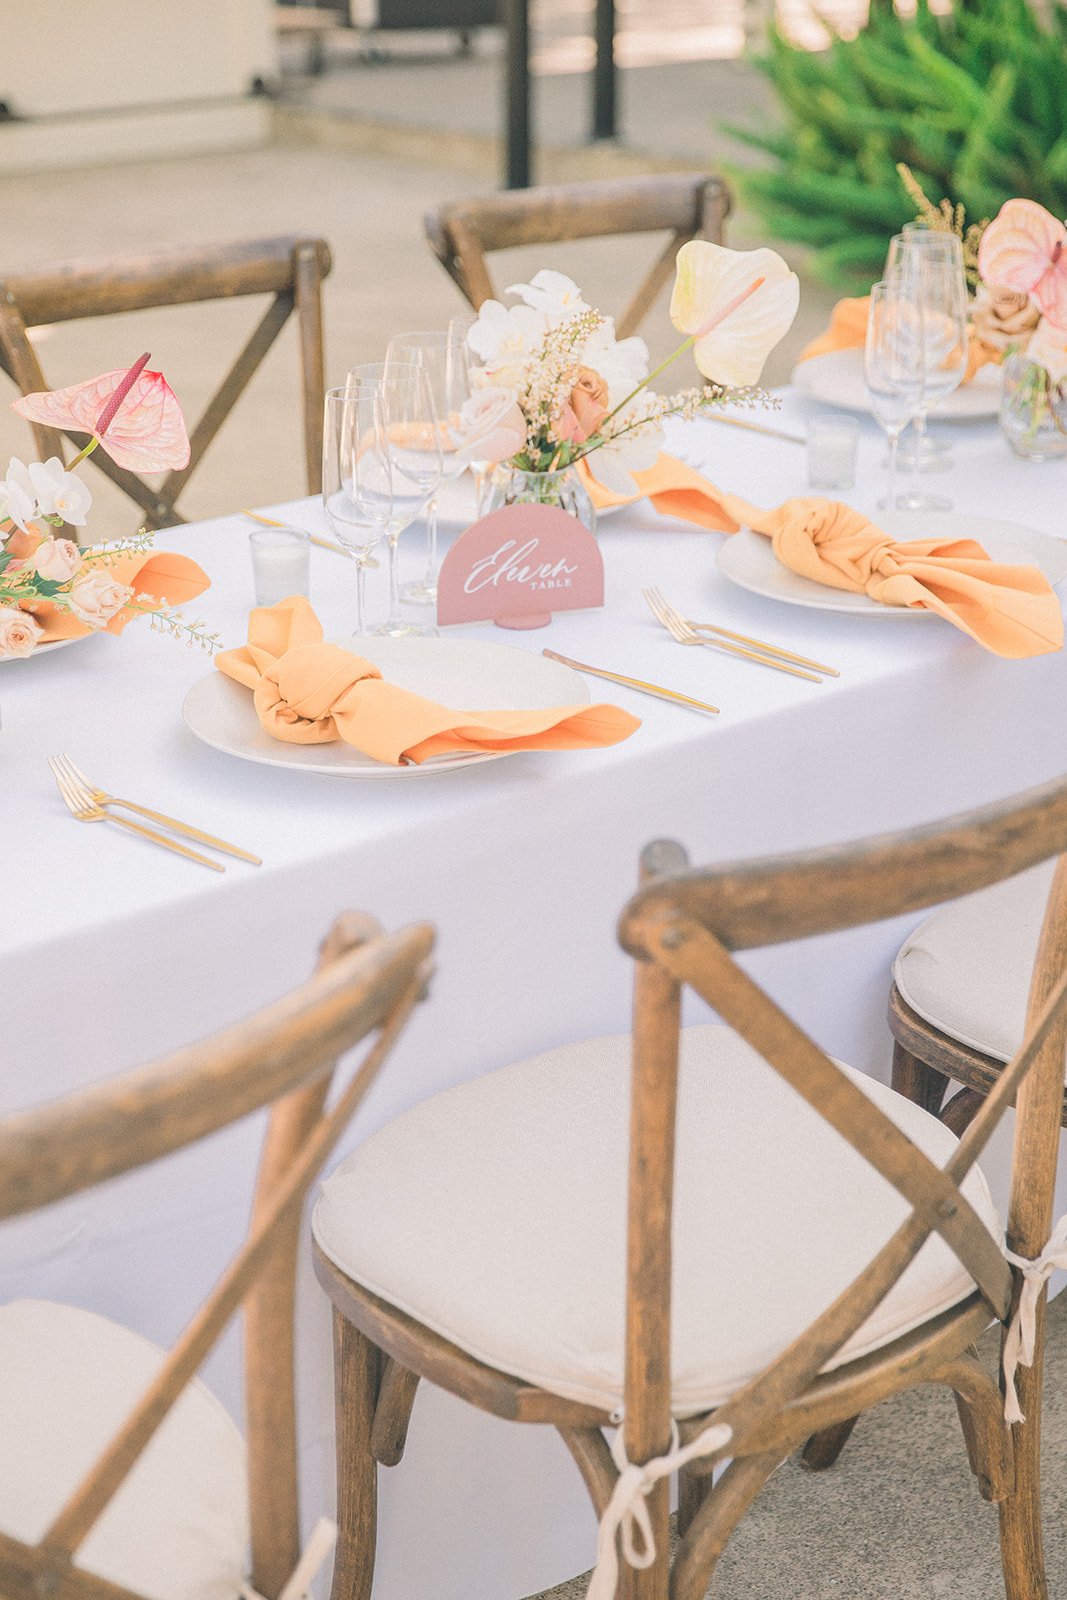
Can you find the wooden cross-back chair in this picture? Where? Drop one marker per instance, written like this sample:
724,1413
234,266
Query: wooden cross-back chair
289,269
688,205
95,1400
477,1241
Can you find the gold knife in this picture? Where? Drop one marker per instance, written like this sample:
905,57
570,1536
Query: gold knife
633,683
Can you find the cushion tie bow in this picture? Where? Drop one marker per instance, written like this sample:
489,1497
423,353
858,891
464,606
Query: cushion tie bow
1022,1330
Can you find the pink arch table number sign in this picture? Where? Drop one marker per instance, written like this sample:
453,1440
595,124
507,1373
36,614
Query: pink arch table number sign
518,565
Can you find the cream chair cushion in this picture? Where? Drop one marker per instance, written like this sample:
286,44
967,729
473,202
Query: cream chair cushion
178,1527
966,969
495,1214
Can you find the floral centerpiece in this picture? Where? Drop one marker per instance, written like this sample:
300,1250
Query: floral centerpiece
557,391
52,588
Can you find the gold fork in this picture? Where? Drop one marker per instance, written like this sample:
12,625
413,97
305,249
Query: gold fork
100,797
83,809
683,633
743,638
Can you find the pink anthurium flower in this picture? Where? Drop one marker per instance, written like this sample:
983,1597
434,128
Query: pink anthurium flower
735,305
1025,248
134,415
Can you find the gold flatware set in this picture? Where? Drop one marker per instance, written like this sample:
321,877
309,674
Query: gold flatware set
684,631
86,803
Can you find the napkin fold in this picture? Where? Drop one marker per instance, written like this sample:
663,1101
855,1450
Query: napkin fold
306,691
162,575
848,331
674,488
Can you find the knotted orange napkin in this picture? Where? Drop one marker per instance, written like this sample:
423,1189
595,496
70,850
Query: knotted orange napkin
848,331
160,574
675,489
309,692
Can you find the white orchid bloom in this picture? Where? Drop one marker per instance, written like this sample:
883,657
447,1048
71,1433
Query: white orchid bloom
736,304
506,337
614,463
18,499
553,293
622,363
59,493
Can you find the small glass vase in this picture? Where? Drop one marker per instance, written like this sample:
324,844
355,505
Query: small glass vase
1033,410
511,486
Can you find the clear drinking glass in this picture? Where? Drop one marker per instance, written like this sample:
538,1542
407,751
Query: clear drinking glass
446,361
915,249
413,438
936,282
893,366
357,489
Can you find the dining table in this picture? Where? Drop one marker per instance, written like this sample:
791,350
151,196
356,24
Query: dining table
113,952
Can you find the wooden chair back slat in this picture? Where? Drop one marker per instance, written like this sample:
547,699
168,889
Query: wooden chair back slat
283,1056
290,269
682,926
685,205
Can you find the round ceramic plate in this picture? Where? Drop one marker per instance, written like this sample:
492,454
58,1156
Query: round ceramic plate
746,558
466,673
49,644
837,379
455,503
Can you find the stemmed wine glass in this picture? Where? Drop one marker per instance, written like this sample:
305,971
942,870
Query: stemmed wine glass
445,360
936,282
357,488
893,366
914,249
412,434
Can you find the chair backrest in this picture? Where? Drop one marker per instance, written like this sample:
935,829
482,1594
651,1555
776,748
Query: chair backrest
688,205
289,269
284,1056
683,926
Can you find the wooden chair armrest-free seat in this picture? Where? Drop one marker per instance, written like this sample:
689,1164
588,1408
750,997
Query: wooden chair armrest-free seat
121,1478
291,270
686,205
805,1241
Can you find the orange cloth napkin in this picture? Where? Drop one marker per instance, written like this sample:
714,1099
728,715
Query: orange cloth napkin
160,574
848,331
309,692
675,489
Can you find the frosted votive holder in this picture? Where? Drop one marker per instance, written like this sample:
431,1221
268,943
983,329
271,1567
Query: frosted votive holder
280,563
832,444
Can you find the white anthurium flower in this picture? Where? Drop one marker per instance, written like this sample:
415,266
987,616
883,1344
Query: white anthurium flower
622,363
18,501
737,304
614,463
552,292
59,493
505,337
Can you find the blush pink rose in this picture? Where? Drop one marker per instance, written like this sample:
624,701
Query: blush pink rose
19,633
491,427
57,559
96,598
587,408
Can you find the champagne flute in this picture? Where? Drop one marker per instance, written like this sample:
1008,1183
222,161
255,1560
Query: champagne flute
918,243
893,366
935,280
445,360
413,439
357,490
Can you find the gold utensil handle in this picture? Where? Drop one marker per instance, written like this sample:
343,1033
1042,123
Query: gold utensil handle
633,683
756,655
756,427
761,644
189,831
315,538
161,838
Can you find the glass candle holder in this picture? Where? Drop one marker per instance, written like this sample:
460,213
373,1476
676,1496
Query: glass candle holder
280,563
832,444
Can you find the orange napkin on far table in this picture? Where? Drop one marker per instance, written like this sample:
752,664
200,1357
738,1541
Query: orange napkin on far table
308,692
848,331
674,488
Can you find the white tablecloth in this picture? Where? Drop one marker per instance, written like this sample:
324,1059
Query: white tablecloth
112,952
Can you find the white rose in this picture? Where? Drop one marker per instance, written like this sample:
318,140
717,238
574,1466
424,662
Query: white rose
59,493
19,633
491,427
18,502
96,598
57,559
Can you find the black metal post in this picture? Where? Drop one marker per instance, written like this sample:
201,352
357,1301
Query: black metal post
516,17
604,102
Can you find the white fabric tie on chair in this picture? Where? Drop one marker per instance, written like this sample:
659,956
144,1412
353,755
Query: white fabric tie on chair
321,1541
626,1511
1022,1330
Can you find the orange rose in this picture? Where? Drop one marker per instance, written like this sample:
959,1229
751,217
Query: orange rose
586,409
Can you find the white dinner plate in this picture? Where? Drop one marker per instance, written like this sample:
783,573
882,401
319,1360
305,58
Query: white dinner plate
466,673
49,644
837,379
747,559
455,503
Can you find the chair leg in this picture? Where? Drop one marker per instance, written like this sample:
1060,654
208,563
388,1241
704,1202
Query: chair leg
691,1491
916,1081
356,1376
824,1447
1021,1547
718,1515
654,1582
